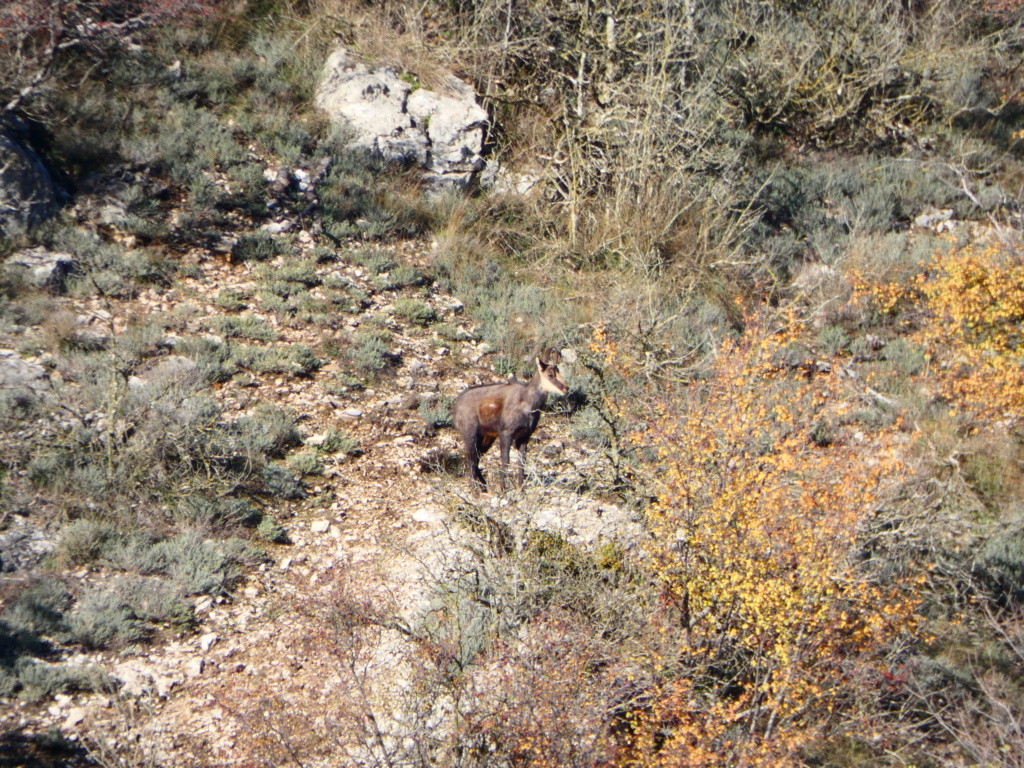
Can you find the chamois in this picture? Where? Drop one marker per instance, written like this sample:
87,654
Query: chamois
507,413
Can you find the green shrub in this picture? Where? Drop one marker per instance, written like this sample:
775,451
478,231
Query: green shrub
833,340
415,311
999,567
191,140
83,541
255,246
370,352
503,366
337,441
406,276
157,601
437,412
247,191
229,300
195,565
213,358
904,358
342,383
823,434
270,530
223,514
295,359
282,483
131,552
589,426
454,333
39,609
268,432
301,273
103,616
305,463
39,680
246,326
375,260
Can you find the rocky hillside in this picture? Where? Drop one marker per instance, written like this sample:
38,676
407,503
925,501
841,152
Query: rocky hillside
251,252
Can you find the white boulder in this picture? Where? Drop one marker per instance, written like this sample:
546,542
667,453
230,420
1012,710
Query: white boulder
440,132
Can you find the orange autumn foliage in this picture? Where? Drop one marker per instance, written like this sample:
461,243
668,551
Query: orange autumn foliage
974,299
967,311
762,487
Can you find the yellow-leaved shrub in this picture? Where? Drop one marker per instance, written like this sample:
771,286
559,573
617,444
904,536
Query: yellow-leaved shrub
763,484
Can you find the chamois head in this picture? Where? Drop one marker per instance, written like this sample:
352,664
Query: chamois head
551,380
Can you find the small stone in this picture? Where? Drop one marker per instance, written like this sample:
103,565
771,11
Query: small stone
424,515
930,220
75,716
352,413
207,641
195,667
320,526
164,685
553,448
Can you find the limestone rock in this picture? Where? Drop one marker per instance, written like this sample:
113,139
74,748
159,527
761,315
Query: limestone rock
441,132
23,384
41,268
195,667
23,546
74,717
939,220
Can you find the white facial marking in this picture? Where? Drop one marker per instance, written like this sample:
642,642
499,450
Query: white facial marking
552,385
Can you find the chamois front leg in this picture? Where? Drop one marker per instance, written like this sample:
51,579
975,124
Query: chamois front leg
505,445
521,472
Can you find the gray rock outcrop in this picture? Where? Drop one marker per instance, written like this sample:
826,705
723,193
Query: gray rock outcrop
441,132
28,195
18,374
22,547
42,268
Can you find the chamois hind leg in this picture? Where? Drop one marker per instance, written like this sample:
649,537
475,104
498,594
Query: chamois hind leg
473,473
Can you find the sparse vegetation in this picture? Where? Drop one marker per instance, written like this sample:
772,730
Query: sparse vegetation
415,311
436,412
